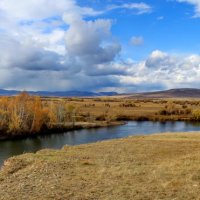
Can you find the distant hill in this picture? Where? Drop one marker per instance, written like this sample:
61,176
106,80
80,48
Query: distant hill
173,93
58,94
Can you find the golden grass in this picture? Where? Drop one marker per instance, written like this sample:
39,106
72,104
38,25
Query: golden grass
148,108
160,166
116,109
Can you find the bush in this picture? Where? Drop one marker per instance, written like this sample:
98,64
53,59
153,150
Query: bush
196,115
25,113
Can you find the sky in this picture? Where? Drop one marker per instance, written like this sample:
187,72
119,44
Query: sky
99,45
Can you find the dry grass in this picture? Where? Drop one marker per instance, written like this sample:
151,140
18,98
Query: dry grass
113,109
153,167
119,109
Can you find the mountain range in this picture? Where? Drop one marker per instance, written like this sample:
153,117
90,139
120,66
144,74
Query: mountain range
58,93
172,93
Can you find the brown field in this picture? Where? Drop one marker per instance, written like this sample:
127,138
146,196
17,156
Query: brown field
165,166
121,108
26,115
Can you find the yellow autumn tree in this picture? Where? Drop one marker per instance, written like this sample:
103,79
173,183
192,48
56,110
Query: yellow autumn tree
17,109
52,114
24,113
38,114
4,114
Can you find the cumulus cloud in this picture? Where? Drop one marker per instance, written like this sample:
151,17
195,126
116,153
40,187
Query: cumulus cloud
161,70
40,47
84,40
195,3
26,55
44,40
159,59
41,9
49,45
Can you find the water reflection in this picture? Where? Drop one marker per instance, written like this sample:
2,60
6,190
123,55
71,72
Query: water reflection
56,141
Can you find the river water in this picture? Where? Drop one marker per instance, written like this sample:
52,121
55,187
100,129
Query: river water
57,141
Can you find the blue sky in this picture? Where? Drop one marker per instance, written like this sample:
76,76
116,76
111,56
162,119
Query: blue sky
170,26
99,45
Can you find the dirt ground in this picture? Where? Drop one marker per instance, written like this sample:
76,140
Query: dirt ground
165,166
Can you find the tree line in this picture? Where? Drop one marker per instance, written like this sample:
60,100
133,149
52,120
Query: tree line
25,113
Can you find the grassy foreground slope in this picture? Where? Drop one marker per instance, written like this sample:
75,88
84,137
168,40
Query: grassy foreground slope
165,166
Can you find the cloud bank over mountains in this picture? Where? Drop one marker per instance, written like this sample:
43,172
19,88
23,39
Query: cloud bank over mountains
59,45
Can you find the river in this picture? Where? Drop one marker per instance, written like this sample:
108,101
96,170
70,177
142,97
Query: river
56,141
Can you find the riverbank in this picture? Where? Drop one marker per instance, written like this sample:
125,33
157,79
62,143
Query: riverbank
160,166
25,116
60,128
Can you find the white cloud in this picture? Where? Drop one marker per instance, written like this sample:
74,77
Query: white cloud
161,70
34,49
195,3
90,43
139,8
41,9
49,45
32,28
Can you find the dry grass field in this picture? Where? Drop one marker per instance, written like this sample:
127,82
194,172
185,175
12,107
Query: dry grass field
165,166
25,115
120,108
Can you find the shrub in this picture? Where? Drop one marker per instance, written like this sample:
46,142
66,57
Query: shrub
196,115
